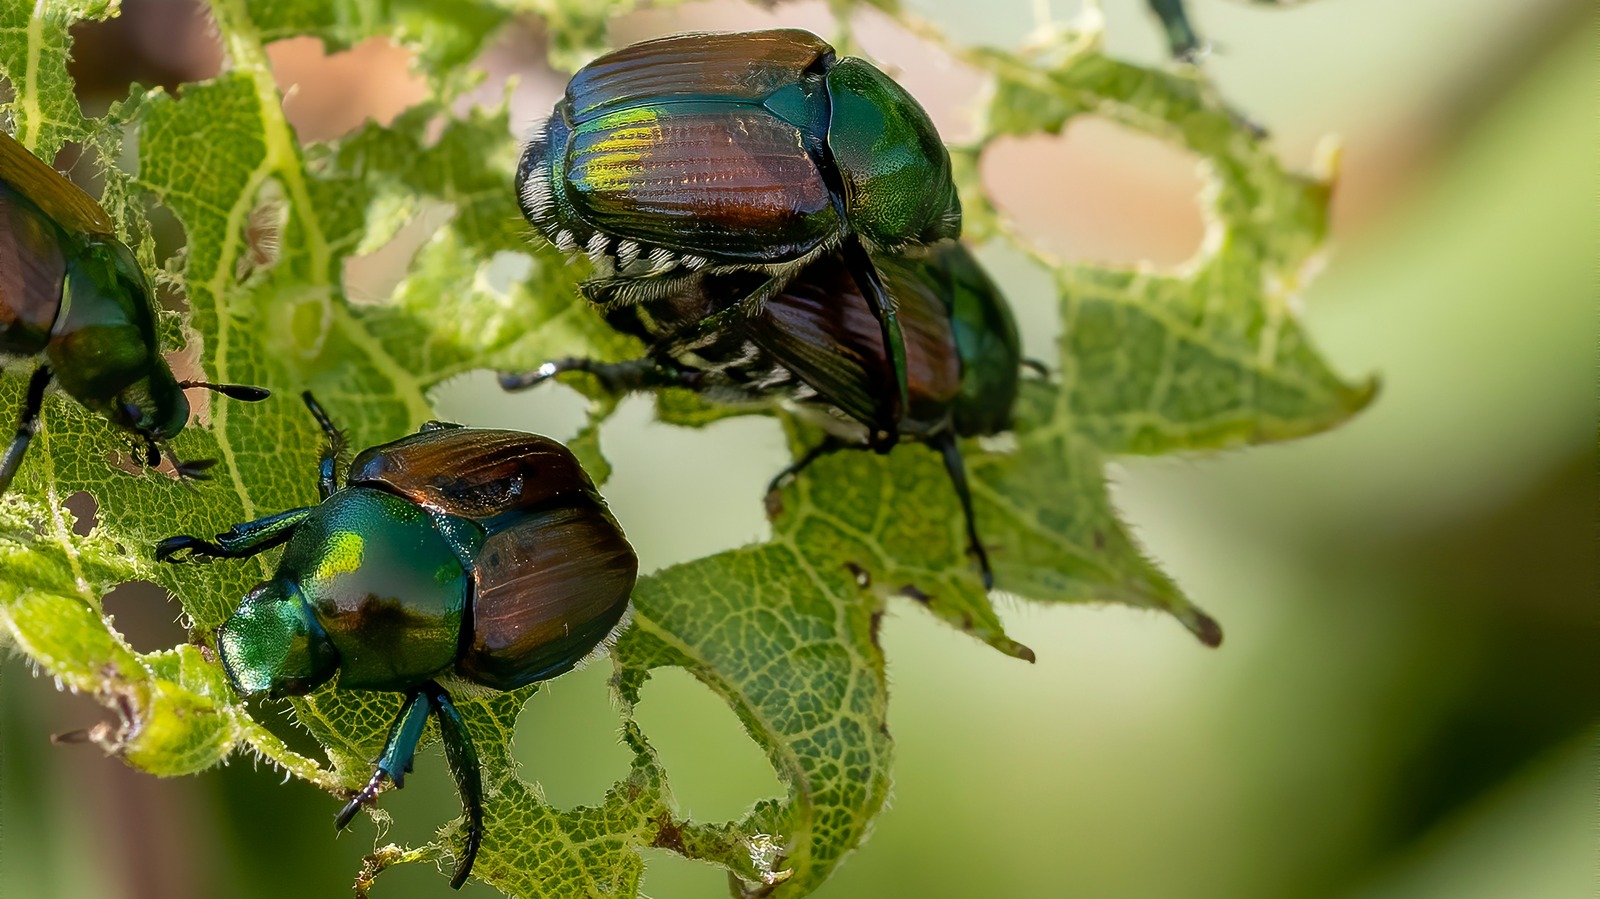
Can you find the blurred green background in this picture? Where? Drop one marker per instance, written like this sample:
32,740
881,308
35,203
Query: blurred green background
1404,705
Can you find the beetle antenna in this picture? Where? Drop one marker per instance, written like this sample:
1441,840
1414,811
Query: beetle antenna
193,470
244,392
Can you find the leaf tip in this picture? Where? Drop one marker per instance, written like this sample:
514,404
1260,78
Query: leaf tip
1205,628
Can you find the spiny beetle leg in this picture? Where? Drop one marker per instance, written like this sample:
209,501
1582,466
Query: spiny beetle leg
827,447
615,377
951,453
31,405
239,542
886,429
399,753
463,759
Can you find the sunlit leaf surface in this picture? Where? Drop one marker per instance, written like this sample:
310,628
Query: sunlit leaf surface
785,631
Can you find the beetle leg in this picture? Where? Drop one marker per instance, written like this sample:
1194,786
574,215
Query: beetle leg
1037,367
239,542
463,759
615,377
192,470
951,453
399,753
1182,41
32,402
829,445
328,467
887,426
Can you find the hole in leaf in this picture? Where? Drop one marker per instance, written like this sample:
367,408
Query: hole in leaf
717,772
568,737
151,42
518,54
476,399
371,277
683,493
145,615
85,512
329,94
668,875
1100,193
169,236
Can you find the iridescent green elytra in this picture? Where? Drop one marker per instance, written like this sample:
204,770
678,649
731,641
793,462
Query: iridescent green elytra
480,555
73,293
760,151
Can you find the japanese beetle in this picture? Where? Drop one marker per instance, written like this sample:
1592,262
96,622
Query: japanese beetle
483,555
757,151
73,293
815,344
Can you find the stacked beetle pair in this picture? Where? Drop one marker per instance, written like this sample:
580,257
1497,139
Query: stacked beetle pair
774,222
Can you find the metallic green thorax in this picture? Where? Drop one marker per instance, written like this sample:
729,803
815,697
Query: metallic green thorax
896,172
376,576
104,348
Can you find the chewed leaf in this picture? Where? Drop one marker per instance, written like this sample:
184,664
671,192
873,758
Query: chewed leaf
784,631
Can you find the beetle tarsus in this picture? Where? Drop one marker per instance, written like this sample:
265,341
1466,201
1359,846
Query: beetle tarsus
367,795
951,453
168,549
239,542
26,428
614,377
784,478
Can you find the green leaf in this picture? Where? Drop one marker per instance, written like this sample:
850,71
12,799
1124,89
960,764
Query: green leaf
785,631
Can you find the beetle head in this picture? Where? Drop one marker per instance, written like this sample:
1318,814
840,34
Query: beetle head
152,406
273,644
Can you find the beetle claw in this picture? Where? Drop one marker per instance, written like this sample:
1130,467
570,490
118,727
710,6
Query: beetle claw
367,795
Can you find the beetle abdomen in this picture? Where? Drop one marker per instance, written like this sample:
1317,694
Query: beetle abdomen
549,588
33,272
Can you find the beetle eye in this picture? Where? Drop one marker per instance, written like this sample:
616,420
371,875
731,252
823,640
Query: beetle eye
131,415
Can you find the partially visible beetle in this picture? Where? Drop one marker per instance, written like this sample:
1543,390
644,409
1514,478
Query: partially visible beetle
72,292
815,343
485,555
757,152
